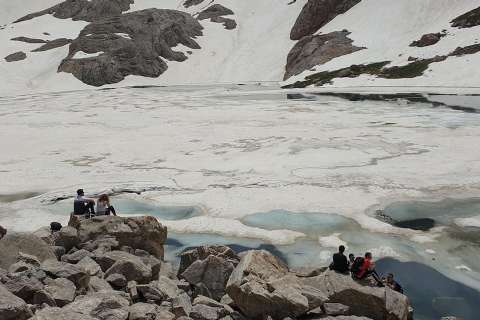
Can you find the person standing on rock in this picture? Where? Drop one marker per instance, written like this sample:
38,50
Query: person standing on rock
83,205
103,206
340,262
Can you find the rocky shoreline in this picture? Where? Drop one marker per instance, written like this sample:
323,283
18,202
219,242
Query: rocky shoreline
113,268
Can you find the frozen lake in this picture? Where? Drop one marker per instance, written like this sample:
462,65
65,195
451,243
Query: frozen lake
295,172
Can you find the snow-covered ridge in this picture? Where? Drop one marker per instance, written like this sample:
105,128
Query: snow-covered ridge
250,40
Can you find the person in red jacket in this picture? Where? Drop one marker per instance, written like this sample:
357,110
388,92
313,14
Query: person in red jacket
368,269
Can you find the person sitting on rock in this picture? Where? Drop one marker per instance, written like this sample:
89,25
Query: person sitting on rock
392,284
365,267
83,205
103,206
340,262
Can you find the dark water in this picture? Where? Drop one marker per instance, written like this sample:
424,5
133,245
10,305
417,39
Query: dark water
432,294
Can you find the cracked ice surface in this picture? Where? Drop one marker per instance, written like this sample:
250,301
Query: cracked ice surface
237,150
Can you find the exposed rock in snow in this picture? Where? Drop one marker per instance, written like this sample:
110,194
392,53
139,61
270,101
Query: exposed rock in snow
318,49
190,3
28,40
428,39
87,10
53,44
216,13
17,56
317,13
467,20
153,33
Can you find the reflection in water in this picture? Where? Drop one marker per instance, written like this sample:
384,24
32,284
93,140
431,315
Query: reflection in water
432,294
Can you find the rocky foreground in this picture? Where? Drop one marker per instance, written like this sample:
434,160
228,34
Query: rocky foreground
112,268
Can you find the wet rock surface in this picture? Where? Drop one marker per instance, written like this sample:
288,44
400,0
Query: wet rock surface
317,13
17,56
130,44
318,49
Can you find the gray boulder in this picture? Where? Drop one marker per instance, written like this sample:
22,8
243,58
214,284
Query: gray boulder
147,311
98,285
23,287
42,297
317,13
204,312
90,266
14,243
132,270
259,287
152,33
74,273
164,289
101,305
60,314
117,281
210,276
12,307
61,290
144,233
28,259
201,253
76,256
181,305
16,56
336,309
372,302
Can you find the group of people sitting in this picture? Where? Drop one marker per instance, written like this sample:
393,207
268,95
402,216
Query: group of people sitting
86,206
362,268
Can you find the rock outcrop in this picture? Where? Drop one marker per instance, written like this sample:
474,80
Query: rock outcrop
3,232
190,3
86,10
317,13
467,20
57,43
14,243
208,269
12,307
131,44
144,233
318,49
107,277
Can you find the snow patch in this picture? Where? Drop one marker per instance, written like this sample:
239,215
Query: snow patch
84,55
332,241
468,222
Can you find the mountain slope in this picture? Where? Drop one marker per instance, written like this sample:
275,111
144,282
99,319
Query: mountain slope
263,40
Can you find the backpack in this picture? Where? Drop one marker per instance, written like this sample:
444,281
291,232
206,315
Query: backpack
55,226
357,265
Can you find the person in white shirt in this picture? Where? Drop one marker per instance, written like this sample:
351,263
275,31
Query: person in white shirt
83,205
103,206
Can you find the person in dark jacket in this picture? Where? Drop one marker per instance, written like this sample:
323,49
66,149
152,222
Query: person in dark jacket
392,284
340,262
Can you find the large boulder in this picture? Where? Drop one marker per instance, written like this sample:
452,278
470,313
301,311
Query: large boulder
101,305
258,288
164,289
60,314
12,307
144,233
209,273
147,311
23,287
373,302
131,269
61,290
317,13
14,243
67,237
74,273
